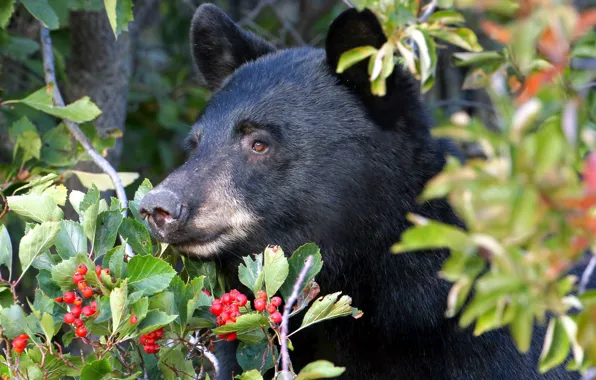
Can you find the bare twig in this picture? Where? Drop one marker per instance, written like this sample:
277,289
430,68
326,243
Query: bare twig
583,283
285,356
73,128
348,3
195,341
430,8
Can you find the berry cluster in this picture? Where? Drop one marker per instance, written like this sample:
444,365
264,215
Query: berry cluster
227,309
20,342
73,317
260,304
149,340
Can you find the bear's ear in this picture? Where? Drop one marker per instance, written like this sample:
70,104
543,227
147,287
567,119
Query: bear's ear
349,30
219,46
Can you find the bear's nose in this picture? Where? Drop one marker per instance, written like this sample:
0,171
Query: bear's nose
163,209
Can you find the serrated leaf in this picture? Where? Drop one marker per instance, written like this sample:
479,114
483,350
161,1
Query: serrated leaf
47,325
5,249
20,126
250,375
39,208
90,221
47,286
41,10
432,235
149,274
11,319
154,320
320,369
196,268
108,223
115,261
70,240
328,307
36,241
244,323
96,370
6,10
57,146
29,143
119,14
296,262
90,198
353,56
137,236
62,274
275,269
81,111
258,356
118,304
175,359
102,181
251,272
134,205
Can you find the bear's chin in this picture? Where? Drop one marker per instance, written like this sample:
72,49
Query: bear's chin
204,249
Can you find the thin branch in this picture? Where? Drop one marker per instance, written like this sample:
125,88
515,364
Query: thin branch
583,283
285,356
430,8
348,3
195,341
73,128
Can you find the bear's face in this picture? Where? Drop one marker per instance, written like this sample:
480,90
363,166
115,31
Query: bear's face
284,147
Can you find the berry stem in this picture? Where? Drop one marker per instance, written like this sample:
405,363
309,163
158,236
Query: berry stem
285,356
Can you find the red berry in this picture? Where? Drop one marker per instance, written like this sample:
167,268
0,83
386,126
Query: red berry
262,295
19,343
224,316
216,308
78,301
234,293
106,271
94,304
82,269
158,333
155,348
231,336
276,301
81,331
150,335
69,297
18,350
149,340
226,299
77,278
259,304
149,348
59,299
69,318
270,308
87,292
233,308
142,340
78,322
23,336
133,319
97,270
207,292
241,299
76,311
88,311
276,317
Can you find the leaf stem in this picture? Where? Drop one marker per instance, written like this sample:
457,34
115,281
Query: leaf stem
285,356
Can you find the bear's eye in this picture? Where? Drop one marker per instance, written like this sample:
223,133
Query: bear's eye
259,147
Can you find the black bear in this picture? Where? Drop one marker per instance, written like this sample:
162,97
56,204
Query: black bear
288,152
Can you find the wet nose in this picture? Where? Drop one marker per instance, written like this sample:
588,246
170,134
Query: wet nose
163,208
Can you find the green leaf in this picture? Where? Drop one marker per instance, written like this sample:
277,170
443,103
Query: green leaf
81,111
30,143
154,320
149,274
320,369
71,240
118,304
446,18
90,221
11,320
47,325
91,198
108,223
251,272
137,236
445,3
250,375
275,270
20,126
39,208
62,273
522,328
425,60
41,10
6,9
255,356
353,56
196,268
57,146
551,146
175,359
432,235
104,181
462,37
36,241
5,249
47,286
470,59
244,323
114,259
119,14
296,263
96,370
134,205
555,348
326,308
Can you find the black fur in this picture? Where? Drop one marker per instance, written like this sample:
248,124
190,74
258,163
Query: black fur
343,170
